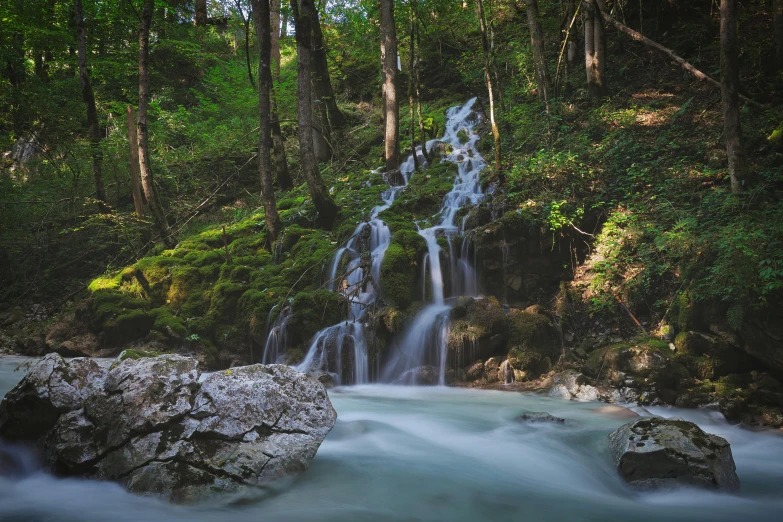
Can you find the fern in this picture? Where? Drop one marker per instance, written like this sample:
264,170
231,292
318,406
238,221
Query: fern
735,315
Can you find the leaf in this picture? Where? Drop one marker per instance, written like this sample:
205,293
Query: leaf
735,315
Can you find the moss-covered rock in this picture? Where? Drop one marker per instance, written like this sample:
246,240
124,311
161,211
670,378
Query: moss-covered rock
313,311
400,268
533,340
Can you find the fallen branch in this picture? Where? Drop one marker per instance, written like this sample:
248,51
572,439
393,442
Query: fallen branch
639,37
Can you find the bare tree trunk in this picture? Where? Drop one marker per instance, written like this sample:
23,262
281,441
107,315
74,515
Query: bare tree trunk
133,142
327,209
729,76
321,137
488,79
416,68
278,144
321,80
200,18
246,23
411,81
264,38
537,42
595,49
571,43
92,112
145,169
778,23
389,68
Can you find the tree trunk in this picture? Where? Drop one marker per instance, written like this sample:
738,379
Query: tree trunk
200,18
246,23
147,181
321,137
488,79
278,144
729,76
264,37
416,68
571,43
133,143
778,23
389,68
595,49
321,80
92,112
537,41
411,81
327,209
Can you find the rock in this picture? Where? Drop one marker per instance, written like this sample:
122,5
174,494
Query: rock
570,379
476,371
151,425
656,453
491,368
559,391
327,379
536,417
587,393
421,376
506,373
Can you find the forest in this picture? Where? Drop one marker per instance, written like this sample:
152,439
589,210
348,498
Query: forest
412,204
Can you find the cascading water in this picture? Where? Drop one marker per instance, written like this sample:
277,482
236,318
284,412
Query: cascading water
277,337
341,349
425,342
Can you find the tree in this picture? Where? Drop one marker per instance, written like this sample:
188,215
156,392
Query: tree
537,42
145,169
92,112
278,144
321,80
389,69
488,80
778,23
412,81
595,49
200,18
326,207
133,143
729,79
263,35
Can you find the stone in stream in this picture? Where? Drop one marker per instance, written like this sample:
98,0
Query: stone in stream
151,425
421,376
656,453
539,417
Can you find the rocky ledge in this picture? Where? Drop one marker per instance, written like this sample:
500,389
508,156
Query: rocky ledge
153,425
655,453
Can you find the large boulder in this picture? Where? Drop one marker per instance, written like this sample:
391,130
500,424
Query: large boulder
420,376
656,453
151,423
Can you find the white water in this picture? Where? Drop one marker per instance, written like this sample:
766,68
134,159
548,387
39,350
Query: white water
424,343
437,454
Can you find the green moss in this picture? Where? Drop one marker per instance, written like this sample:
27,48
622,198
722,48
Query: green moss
137,354
400,268
168,324
313,311
462,134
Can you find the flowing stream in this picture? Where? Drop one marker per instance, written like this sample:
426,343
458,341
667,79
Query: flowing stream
434,454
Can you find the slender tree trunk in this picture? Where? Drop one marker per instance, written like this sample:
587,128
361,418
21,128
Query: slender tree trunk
729,76
321,79
595,49
416,68
488,79
145,169
411,86
537,41
278,143
92,112
778,23
264,37
571,43
284,24
200,18
389,67
133,143
321,136
327,209
246,22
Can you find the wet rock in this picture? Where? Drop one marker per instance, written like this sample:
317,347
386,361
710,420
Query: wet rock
327,379
491,368
475,372
421,376
587,393
506,373
656,453
540,417
570,379
559,391
149,424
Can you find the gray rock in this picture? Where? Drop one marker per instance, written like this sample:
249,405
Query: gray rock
570,379
536,417
559,391
587,393
421,376
656,453
150,425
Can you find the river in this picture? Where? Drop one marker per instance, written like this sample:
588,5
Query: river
438,454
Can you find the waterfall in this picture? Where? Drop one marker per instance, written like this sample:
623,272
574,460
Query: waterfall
277,337
425,341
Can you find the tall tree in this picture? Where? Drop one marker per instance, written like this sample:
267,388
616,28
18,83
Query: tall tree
412,80
145,169
262,20
595,49
389,68
537,42
777,20
570,50
321,80
729,79
278,143
200,18
326,207
133,143
92,112
488,80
